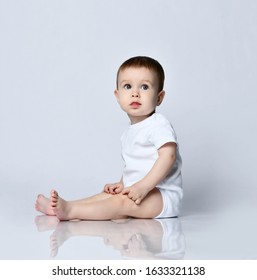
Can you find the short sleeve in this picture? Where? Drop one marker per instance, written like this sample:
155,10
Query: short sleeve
162,133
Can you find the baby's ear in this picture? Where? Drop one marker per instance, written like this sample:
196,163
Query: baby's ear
116,93
160,97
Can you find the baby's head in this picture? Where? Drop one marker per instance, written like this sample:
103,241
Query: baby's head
144,62
139,87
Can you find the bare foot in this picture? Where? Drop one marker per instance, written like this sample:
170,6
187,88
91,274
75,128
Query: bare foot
43,205
60,207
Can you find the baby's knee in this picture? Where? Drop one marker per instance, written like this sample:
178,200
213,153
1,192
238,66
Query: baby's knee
126,204
121,198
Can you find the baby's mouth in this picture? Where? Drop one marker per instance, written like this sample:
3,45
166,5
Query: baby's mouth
135,104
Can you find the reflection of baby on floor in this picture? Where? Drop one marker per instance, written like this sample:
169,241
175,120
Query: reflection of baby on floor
144,238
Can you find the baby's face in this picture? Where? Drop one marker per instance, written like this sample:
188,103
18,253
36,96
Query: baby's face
137,93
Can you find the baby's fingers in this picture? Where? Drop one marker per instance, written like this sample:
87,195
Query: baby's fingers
112,189
118,189
106,188
109,188
129,194
125,191
138,201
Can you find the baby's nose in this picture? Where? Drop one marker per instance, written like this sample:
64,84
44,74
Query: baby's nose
135,93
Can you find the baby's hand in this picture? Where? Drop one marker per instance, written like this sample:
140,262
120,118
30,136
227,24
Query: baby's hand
113,188
136,193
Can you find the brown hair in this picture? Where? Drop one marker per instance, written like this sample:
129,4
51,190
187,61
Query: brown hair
147,62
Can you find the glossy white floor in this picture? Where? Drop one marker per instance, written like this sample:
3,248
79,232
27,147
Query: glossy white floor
205,233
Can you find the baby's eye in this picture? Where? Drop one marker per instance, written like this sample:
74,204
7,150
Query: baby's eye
127,86
144,87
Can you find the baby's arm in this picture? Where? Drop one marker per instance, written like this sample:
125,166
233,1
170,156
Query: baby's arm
114,188
161,168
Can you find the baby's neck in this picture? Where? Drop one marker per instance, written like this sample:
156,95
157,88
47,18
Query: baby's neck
134,120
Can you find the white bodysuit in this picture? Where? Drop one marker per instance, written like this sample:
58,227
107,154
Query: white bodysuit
140,143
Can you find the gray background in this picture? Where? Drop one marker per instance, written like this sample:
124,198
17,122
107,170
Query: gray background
60,123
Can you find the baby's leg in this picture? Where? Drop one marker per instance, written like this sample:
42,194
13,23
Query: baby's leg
94,198
116,206
43,204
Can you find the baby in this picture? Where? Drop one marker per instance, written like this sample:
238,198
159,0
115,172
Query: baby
151,183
